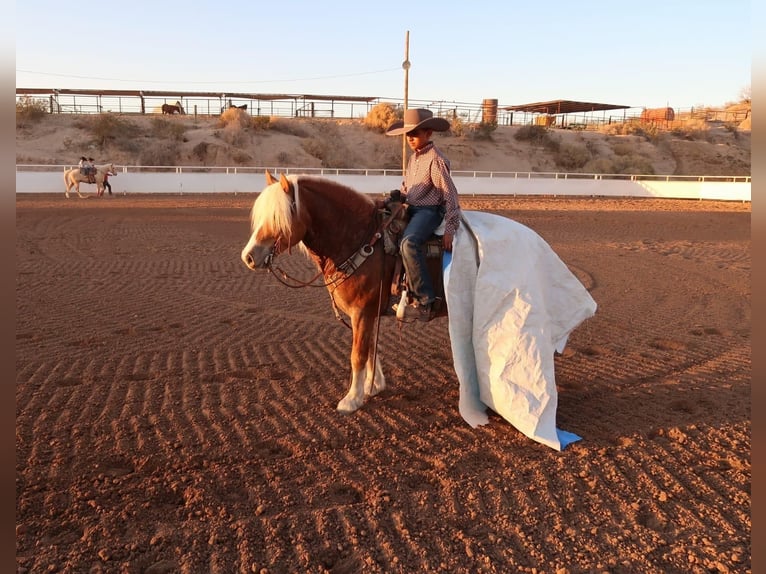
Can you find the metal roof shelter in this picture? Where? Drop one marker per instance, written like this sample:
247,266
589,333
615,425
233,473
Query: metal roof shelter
555,107
144,97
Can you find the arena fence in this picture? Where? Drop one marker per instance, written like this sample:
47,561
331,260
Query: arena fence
181,180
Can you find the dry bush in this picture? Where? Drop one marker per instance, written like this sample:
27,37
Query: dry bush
291,127
166,129
623,148
283,158
572,156
234,134
232,116
457,127
74,145
381,116
159,153
388,154
693,131
328,147
650,132
633,164
483,131
240,157
259,123
599,165
537,135
315,148
201,150
110,128
30,111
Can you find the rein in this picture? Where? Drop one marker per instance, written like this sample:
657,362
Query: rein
343,271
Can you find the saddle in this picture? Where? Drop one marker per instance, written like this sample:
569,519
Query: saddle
394,220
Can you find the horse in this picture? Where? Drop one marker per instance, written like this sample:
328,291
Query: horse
338,228
73,178
171,109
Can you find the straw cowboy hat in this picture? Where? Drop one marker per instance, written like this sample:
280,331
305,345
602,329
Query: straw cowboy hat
417,118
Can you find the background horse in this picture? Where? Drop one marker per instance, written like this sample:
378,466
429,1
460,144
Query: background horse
171,109
336,226
73,178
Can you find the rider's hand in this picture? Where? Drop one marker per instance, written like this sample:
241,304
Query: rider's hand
447,242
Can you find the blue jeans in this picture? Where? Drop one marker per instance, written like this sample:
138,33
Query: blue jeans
423,221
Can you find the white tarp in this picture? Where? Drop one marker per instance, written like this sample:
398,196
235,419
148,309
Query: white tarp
512,302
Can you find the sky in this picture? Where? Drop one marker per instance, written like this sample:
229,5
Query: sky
650,54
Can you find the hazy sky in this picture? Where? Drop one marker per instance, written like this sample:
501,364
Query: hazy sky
651,53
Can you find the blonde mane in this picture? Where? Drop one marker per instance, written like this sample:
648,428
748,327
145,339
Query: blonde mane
273,210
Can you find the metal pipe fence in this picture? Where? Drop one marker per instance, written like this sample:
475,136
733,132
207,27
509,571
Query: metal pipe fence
344,107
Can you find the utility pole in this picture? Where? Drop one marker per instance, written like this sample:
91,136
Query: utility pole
406,67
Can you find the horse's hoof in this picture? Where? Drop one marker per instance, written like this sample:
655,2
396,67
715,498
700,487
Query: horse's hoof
375,390
347,406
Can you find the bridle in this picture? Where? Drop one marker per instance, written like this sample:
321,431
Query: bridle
343,271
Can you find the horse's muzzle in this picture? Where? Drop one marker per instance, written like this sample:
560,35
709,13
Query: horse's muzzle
257,258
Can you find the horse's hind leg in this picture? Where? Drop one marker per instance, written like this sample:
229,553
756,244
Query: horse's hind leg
374,382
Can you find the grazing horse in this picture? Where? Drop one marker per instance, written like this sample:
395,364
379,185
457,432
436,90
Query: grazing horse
73,178
171,109
338,227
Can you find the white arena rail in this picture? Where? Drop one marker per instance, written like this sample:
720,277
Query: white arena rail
181,180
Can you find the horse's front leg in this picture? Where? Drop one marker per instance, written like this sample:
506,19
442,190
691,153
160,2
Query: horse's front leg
362,325
78,190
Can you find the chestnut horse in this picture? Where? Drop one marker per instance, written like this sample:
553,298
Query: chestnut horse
338,227
170,109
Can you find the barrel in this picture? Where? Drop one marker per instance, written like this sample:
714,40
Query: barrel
489,111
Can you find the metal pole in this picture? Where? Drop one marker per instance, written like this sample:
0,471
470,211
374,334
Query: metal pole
406,66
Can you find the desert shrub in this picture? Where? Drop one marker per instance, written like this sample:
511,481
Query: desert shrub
110,128
648,131
159,153
572,156
260,122
166,129
240,157
283,158
329,151
234,116
290,127
599,165
314,148
29,111
537,135
381,116
531,133
234,134
622,148
483,131
457,127
200,151
633,164
75,145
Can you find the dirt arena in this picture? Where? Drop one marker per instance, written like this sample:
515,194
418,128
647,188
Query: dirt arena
175,412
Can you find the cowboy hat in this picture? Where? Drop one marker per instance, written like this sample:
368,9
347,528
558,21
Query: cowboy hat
417,118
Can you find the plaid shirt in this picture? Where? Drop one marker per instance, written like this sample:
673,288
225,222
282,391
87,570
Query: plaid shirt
428,182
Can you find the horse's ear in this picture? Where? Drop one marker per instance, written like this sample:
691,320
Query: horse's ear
286,185
270,178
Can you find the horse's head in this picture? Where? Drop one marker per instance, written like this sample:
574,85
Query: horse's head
276,222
